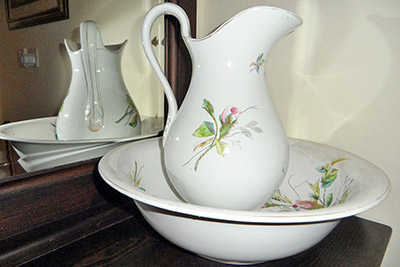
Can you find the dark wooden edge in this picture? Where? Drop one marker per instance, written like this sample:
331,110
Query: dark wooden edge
59,13
354,242
177,58
43,212
46,210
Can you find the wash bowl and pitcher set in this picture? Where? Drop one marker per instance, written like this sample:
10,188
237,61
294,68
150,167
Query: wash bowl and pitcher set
225,147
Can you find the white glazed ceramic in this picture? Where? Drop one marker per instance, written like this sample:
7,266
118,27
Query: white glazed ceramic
322,185
36,144
97,104
226,146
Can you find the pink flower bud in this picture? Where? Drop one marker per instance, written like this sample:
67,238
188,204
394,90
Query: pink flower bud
303,205
234,113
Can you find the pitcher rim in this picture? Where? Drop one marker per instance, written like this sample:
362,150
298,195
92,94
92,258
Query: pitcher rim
102,47
224,24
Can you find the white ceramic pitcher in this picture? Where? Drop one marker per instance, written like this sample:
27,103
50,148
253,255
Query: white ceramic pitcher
97,104
226,146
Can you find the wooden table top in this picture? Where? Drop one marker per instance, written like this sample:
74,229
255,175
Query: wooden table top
132,242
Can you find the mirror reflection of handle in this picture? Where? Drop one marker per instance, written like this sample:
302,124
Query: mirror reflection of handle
151,16
94,111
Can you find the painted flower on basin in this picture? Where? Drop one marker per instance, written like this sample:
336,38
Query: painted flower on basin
136,177
319,196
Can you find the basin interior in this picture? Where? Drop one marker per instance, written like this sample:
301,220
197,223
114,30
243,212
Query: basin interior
314,180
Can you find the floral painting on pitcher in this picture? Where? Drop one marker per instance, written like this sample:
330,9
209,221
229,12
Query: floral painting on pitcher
131,114
217,133
257,64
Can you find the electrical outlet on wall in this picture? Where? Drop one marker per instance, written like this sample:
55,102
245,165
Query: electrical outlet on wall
28,57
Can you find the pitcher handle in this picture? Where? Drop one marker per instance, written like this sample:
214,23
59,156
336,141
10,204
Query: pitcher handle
94,112
151,16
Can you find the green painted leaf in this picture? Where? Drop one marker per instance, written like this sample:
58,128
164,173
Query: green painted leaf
329,200
251,124
134,121
257,129
281,198
287,200
315,189
277,198
208,106
246,133
271,205
226,127
220,147
311,186
206,129
328,179
260,57
344,197
228,119
338,160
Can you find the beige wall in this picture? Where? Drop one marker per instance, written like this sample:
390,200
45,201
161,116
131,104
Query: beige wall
336,80
39,92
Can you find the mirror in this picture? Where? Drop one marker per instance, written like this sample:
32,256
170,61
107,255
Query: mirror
38,92
53,202
27,13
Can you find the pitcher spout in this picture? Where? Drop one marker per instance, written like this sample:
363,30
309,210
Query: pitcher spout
256,28
267,20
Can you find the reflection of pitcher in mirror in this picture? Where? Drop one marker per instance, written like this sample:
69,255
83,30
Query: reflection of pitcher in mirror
97,104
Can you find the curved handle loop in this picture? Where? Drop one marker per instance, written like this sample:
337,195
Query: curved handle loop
151,16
